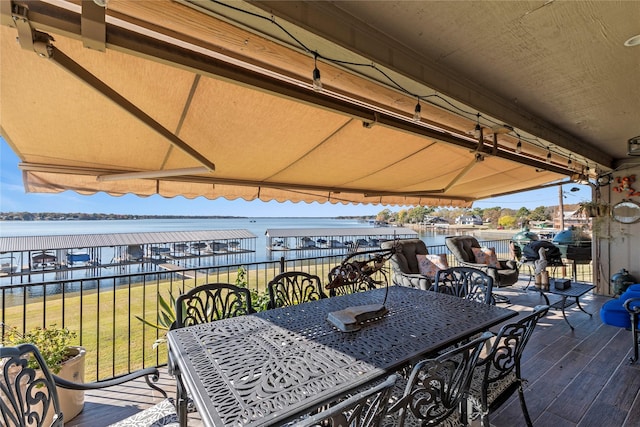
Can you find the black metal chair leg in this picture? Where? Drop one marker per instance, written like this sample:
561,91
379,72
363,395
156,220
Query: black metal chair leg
523,404
634,331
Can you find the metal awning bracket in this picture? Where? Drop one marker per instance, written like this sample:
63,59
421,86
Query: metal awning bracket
28,37
92,26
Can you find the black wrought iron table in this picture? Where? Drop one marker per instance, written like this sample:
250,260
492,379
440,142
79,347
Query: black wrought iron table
575,291
265,368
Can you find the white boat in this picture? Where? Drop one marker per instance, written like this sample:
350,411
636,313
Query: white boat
279,245
8,265
135,253
44,259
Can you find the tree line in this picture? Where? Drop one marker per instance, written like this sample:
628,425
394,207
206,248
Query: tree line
494,217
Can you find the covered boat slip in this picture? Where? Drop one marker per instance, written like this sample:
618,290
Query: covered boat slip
279,239
61,253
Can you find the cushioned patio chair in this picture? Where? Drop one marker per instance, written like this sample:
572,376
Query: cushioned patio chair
37,396
294,287
465,282
498,374
405,264
624,312
435,391
210,302
504,273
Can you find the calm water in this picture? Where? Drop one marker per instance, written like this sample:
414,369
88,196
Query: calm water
257,226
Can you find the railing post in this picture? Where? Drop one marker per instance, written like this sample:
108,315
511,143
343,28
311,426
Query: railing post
282,268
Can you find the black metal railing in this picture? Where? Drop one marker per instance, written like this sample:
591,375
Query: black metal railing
105,310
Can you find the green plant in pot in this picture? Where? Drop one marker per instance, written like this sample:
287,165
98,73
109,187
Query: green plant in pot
62,358
166,318
593,209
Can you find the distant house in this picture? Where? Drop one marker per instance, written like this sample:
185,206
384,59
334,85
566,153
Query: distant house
429,220
469,220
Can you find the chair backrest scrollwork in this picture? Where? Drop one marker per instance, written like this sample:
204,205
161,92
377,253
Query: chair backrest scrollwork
465,282
294,287
436,387
27,389
210,302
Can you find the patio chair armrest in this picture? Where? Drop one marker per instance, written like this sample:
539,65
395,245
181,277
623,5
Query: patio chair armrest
414,280
508,264
484,267
151,375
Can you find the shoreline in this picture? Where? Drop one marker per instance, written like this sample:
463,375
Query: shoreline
481,229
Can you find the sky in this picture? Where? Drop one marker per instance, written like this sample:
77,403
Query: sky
13,198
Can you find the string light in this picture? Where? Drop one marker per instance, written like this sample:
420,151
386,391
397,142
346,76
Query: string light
569,162
477,131
416,113
317,83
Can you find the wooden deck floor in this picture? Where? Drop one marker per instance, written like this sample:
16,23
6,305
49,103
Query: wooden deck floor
576,378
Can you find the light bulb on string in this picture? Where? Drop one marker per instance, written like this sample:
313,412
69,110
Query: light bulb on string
477,131
519,147
569,162
548,155
417,111
317,83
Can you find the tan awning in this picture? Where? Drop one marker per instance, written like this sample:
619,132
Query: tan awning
247,133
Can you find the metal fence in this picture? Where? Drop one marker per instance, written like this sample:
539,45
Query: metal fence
105,311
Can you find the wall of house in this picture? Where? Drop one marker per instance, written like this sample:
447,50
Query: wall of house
616,245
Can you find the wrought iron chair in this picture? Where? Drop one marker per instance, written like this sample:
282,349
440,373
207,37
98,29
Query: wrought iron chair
212,301
203,304
28,395
359,272
498,374
435,391
404,263
364,409
465,282
294,287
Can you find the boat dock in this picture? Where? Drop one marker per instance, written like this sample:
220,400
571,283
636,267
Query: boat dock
59,254
284,239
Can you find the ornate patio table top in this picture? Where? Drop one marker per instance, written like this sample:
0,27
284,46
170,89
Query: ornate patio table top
263,368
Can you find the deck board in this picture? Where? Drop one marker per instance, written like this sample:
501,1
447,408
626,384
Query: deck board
577,378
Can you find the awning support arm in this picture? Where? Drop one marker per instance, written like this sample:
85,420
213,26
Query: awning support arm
83,74
39,42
